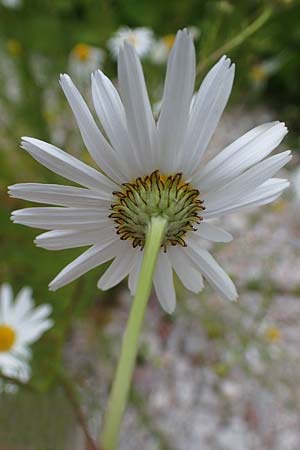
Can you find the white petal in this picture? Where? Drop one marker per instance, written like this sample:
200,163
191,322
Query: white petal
206,112
99,148
245,183
240,155
21,351
23,304
209,232
111,113
39,313
176,101
56,194
135,271
31,333
60,218
214,273
69,167
63,239
139,116
265,193
119,268
163,283
93,257
12,366
190,277
6,298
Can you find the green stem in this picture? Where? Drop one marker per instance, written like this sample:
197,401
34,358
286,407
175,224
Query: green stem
236,40
126,364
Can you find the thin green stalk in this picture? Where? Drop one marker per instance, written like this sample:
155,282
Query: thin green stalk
236,40
126,364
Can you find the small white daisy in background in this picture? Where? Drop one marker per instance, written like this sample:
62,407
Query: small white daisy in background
261,72
161,47
12,4
83,60
148,169
140,38
21,324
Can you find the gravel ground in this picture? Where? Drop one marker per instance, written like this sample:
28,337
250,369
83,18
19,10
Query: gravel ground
216,376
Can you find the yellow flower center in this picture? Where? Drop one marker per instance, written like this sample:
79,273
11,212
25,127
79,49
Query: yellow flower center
169,40
7,338
82,52
273,334
14,47
156,195
258,73
132,39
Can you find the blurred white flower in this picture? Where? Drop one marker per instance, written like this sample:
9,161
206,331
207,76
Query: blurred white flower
20,325
140,38
231,389
13,4
161,48
85,59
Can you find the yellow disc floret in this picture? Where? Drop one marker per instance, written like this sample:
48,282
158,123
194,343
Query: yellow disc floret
156,195
7,338
82,52
169,40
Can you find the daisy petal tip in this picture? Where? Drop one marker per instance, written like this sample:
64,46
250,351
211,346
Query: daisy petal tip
101,286
36,242
52,286
169,310
64,77
231,294
228,237
10,190
286,184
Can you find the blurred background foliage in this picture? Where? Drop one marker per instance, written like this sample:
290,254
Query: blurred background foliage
37,41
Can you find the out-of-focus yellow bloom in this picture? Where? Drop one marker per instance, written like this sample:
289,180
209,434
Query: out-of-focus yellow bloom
273,334
168,40
83,60
161,47
279,206
82,52
14,47
258,73
7,338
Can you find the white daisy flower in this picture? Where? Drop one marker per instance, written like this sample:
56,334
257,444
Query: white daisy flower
20,325
84,59
140,38
150,169
161,49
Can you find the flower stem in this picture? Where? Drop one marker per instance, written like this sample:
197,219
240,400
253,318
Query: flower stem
126,364
237,40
